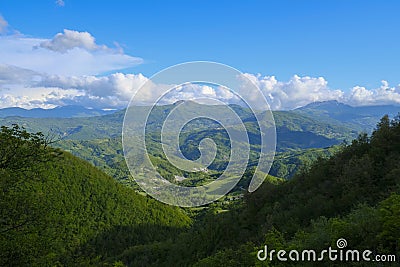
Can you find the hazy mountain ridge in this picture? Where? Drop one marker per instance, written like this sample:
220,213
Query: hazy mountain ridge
70,111
356,118
360,118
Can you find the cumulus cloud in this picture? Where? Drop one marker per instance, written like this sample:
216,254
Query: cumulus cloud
62,42
23,95
63,70
208,91
60,3
300,91
199,92
361,96
119,85
67,56
26,88
296,92
14,75
3,25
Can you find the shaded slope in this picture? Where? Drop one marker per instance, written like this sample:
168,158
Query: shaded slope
56,208
354,194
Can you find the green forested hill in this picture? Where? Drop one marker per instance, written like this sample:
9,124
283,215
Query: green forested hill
107,155
354,194
57,209
287,164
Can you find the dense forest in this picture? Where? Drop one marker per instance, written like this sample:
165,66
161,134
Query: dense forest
58,210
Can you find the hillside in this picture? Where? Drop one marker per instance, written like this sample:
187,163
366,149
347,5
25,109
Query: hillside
57,209
354,194
107,155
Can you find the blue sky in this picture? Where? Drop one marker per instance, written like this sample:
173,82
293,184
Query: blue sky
349,43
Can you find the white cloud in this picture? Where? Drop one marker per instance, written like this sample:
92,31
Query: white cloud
208,91
26,88
296,92
62,42
3,25
360,96
119,85
14,75
37,72
27,97
300,91
60,3
67,56
200,92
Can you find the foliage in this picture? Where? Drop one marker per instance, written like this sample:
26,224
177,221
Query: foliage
353,194
58,209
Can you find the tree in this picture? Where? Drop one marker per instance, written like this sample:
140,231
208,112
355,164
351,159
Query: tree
22,201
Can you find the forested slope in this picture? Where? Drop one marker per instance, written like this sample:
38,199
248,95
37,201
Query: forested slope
58,209
354,194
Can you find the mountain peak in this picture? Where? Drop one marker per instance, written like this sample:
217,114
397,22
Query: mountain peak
326,104
190,102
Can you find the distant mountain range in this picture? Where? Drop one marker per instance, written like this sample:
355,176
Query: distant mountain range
317,125
362,118
294,131
58,112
